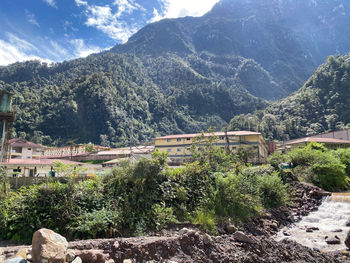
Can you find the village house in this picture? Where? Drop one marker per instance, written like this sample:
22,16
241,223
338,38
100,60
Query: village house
329,143
178,146
23,149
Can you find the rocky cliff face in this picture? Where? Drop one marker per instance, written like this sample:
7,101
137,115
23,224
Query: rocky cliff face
289,39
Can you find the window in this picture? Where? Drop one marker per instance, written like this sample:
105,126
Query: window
168,140
222,137
179,149
233,137
178,139
169,150
188,139
29,149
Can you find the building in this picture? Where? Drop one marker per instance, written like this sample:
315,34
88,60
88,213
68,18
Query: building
23,149
41,167
71,150
340,134
7,117
329,143
178,146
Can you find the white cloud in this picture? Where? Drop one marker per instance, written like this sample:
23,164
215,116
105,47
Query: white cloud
51,3
16,49
81,3
126,6
181,8
109,22
81,49
31,18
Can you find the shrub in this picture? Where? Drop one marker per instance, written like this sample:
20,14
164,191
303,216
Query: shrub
271,190
162,216
95,224
236,196
329,173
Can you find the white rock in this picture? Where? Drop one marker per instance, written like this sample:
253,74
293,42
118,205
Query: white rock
77,260
48,246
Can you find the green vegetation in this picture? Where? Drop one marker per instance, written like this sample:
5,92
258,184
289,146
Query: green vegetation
114,99
138,197
322,104
328,169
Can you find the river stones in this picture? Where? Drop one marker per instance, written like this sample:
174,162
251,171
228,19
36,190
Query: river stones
347,223
333,240
347,240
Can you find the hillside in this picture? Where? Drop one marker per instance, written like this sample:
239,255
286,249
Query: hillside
321,104
288,39
110,99
179,75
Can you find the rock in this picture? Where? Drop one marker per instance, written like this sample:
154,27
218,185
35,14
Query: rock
2,259
22,253
16,260
347,240
230,228
183,231
286,233
92,256
1,251
70,255
309,230
333,241
77,260
345,253
241,237
127,261
207,240
48,246
347,223
316,249
337,230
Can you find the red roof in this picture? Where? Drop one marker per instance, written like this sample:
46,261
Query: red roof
230,133
19,142
319,140
38,162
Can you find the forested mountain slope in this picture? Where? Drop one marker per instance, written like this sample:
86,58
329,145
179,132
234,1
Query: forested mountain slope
179,75
287,39
111,99
321,104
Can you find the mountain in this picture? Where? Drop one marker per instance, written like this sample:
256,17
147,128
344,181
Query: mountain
179,75
288,39
322,104
111,99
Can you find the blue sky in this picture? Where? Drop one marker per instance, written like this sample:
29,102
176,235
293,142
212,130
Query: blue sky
57,30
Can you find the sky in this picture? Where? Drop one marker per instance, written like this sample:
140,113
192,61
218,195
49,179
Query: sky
58,30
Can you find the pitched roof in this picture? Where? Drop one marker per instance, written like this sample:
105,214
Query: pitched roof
319,140
38,162
19,142
192,135
127,151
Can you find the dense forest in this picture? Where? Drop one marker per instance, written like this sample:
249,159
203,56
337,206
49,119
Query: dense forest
321,104
184,75
111,99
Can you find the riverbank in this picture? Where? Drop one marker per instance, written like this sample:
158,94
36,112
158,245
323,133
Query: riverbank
192,245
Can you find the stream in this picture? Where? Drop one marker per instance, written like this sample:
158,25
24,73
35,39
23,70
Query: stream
331,216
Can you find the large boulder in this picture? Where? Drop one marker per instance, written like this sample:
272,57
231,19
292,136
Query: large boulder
347,240
48,247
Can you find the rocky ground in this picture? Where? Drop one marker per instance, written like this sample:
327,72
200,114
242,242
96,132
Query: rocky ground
253,244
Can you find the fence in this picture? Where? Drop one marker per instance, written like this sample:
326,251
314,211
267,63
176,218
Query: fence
17,182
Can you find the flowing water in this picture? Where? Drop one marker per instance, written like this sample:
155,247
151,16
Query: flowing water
331,216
